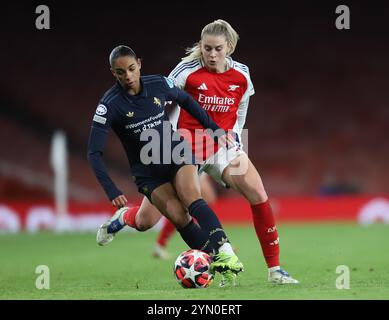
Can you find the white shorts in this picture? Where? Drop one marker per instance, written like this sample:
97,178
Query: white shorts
215,165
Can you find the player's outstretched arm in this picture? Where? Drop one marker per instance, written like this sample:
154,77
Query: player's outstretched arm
97,139
194,109
189,104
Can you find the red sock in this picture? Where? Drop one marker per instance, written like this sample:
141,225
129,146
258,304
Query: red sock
166,232
267,234
129,217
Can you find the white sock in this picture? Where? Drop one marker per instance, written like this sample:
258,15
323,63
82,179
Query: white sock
226,247
272,269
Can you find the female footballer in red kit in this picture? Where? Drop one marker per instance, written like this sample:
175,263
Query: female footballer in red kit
223,88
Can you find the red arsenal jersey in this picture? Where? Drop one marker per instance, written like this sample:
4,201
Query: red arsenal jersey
220,94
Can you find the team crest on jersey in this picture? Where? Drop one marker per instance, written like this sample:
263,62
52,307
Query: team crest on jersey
233,87
157,102
130,114
145,189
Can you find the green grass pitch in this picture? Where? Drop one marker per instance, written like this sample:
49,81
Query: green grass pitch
79,269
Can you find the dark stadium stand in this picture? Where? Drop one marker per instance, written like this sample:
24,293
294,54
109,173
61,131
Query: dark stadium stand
320,111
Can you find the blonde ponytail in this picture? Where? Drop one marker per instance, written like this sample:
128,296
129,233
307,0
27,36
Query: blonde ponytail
216,28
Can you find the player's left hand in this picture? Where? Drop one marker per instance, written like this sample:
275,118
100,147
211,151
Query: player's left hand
119,201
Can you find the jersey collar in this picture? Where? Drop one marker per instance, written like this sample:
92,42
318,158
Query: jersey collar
141,94
230,63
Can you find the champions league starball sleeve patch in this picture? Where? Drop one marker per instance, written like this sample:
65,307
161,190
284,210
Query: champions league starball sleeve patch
101,110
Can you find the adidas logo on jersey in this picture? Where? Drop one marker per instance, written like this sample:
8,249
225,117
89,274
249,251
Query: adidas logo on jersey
233,87
203,86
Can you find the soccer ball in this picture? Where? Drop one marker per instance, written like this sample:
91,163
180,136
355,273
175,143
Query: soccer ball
191,269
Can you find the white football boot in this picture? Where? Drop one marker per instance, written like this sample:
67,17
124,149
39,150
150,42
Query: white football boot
160,252
103,237
280,276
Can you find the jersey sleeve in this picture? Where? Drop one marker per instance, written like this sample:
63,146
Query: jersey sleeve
244,102
250,87
102,121
189,104
242,113
178,76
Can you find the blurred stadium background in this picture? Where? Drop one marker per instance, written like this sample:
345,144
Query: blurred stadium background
318,123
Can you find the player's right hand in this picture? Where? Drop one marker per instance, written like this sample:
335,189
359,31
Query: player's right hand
119,201
227,140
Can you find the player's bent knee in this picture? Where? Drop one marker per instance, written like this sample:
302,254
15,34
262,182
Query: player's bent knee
145,223
142,227
180,220
190,196
176,213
